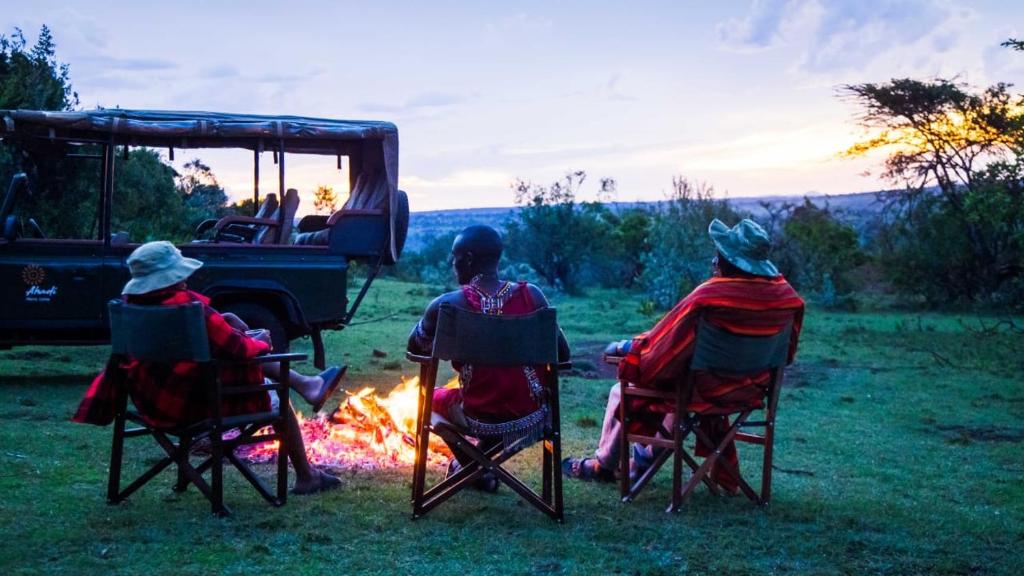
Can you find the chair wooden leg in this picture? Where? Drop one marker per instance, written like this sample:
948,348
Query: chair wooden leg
677,462
217,473
546,476
624,488
184,445
284,437
428,374
116,457
556,456
769,453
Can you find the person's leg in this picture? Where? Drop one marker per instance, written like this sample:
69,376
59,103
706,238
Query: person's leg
311,388
307,478
306,386
607,452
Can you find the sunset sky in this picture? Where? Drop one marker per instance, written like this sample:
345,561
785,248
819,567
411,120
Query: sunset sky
743,95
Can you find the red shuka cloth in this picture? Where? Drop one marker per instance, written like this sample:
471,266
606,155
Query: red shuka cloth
493,393
660,356
170,395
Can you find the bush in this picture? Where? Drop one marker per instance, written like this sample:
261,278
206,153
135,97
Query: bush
680,250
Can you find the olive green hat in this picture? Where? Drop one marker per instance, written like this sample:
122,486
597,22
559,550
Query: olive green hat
745,246
156,265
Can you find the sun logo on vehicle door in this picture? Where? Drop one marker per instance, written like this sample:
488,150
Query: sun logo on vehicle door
33,275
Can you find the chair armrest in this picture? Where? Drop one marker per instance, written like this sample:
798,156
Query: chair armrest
235,219
563,366
353,212
609,359
265,358
236,390
204,226
417,358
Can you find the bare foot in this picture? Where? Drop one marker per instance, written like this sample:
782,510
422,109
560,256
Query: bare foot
320,482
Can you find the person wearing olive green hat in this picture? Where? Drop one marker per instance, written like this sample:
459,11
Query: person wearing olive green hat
747,285
745,246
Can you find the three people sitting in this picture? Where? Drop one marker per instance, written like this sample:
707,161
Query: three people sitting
743,280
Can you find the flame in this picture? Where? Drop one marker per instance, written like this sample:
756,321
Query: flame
366,431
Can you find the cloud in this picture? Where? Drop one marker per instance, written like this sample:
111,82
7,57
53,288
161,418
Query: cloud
111,63
421,101
836,37
759,29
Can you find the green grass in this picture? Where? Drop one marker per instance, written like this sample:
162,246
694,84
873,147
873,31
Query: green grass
899,450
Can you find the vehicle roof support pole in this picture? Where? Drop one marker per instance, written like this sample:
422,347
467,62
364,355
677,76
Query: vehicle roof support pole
255,182
280,185
108,191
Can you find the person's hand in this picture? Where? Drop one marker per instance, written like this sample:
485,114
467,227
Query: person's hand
619,347
261,334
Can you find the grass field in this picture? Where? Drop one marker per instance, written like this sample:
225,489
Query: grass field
899,451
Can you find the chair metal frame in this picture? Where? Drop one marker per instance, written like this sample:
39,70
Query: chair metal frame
470,337
719,351
166,334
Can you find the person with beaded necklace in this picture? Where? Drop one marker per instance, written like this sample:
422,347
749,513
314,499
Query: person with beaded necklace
487,395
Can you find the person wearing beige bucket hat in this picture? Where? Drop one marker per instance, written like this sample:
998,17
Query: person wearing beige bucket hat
757,298
159,273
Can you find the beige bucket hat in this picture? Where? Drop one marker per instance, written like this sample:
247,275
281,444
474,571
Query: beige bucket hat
156,265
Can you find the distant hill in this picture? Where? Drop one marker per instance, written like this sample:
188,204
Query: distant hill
858,209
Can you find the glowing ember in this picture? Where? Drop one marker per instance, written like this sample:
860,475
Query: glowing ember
365,431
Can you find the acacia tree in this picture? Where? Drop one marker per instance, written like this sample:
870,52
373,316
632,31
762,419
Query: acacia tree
943,141
325,200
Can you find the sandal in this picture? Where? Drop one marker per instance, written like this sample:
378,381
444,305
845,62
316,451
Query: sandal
332,379
582,469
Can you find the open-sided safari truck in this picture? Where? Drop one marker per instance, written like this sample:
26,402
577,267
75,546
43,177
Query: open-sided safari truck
292,282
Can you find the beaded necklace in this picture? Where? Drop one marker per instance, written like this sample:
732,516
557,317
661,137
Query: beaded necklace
491,303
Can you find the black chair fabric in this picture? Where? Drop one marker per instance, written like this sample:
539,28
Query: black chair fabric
470,337
159,333
718,350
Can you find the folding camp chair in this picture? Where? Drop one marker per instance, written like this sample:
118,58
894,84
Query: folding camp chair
168,334
721,352
474,338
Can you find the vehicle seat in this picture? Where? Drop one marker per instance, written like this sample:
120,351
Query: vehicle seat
231,230
290,206
369,196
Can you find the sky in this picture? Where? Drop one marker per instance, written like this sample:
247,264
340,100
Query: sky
742,95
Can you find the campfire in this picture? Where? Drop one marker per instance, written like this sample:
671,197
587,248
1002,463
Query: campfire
366,431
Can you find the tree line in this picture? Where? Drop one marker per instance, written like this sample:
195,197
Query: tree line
952,231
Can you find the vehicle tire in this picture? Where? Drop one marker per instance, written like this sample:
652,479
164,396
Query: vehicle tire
401,225
259,316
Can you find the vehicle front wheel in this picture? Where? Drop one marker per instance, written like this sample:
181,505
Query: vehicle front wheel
259,316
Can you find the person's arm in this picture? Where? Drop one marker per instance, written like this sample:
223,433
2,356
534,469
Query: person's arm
541,301
421,339
227,342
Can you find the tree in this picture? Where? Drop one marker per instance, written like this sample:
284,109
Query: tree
817,250
147,204
34,79
941,137
680,250
325,201
63,197
201,192
553,233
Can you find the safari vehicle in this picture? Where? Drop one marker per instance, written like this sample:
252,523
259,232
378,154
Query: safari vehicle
54,291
